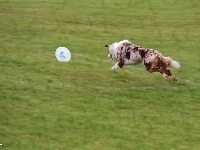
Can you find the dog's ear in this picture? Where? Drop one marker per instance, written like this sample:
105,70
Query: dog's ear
106,45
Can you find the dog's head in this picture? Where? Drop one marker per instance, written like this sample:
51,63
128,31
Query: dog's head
109,55
113,49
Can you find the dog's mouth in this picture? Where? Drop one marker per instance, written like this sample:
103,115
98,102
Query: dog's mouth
110,56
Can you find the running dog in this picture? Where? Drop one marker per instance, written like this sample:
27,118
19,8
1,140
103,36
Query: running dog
127,53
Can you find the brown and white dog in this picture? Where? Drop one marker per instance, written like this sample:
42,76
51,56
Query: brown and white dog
127,53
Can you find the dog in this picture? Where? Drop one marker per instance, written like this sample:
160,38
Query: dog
127,53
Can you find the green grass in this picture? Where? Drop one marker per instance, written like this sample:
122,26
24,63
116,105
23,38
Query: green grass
82,104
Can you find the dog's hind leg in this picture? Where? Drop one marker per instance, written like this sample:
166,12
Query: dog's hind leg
159,66
168,73
173,78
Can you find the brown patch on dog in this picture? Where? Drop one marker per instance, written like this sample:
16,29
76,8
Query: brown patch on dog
135,48
121,63
106,45
128,54
147,66
142,53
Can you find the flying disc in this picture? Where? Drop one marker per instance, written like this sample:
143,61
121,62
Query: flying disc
63,54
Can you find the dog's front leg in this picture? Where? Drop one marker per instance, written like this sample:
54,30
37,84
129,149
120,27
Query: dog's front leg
115,66
119,64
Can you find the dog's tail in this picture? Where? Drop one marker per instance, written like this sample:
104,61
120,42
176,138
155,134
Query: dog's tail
172,63
175,64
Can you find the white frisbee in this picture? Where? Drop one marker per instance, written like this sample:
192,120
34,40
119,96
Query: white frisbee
63,54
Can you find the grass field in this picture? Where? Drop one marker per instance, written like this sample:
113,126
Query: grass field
82,104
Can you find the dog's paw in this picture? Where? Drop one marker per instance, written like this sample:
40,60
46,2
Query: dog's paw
165,75
174,78
114,67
